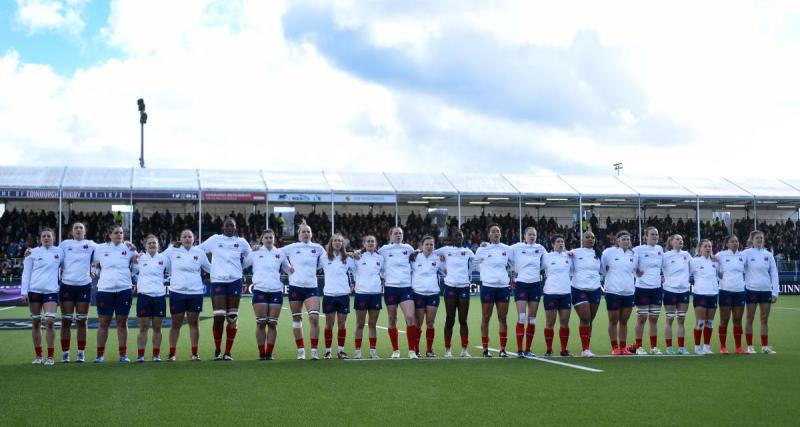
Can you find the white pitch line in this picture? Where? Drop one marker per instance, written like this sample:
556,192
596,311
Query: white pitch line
554,362
610,356
386,329
7,308
786,308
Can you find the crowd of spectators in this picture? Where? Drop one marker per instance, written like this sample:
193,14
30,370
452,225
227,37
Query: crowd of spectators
19,229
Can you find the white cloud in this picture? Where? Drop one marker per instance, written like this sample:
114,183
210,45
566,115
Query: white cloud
51,15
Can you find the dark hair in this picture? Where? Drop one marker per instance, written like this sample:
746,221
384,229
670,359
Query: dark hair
728,239
329,248
494,224
555,237
111,229
47,230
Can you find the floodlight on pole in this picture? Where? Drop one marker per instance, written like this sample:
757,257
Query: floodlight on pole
142,121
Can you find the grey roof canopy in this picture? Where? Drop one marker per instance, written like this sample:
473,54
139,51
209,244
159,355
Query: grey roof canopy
409,184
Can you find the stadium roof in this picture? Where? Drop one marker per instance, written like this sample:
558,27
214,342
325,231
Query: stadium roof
445,184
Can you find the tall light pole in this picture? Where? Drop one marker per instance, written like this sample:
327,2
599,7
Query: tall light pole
617,166
142,121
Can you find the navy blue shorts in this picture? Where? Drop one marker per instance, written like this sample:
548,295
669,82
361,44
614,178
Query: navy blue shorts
423,301
490,295
581,296
37,298
261,297
644,296
109,303
81,293
618,302
528,291
758,297
147,306
557,301
337,304
297,293
673,298
394,296
707,301
454,293
367,302
732,299
231,289
181,303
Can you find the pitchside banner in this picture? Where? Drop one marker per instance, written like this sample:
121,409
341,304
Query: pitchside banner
380,199
221,196
29,194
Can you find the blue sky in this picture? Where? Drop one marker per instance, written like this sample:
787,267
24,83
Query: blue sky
508,86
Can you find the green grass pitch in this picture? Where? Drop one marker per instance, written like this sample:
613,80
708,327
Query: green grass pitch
644,390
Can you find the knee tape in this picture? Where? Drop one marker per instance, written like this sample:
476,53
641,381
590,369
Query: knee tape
521,318
272,321
670,315
233,317
66,318
531,320
709,323
682,314
700,323
262,320
313,313
220,313
49,316
643,311
36,316
655,312
80,317
297,324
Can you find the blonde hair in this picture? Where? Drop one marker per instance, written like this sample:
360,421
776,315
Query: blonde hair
700,246
671,238
329,248
753,234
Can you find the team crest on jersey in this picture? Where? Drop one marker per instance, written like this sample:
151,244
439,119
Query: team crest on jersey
631,259
179,257
107,255
463,253
766,258
261,256
536,251
220,245
566,261
503,254
659,254
55,256
313,251
277,256
433,264
196,258
405,252
124,253
69,249
144,265
235,245
161,263
344,262
84,247
378,263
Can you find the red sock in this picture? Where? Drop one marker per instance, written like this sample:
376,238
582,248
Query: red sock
698,333
614,344
563,334
548,339
638,342
217,331
669,342
485,343
373,343
681,342
50,351
707,335
123,350
447,343
723,336
262,349
764,339
65,345
299,342
140,352
328,337
737,336
393,338
194,350
156,351
38,351
358,343
653,341
314,342
269,349
584,332
81,345
749,338
464,341
172,351
503,340
529,333
623,344
418,339
520,334
430,333
342,334
411,337
231,335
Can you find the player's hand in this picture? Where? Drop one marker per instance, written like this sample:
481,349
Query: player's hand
570,253
291,270
27,252
774,300
25,299
357,255
130,245
483,244
639,273
255,247
442,258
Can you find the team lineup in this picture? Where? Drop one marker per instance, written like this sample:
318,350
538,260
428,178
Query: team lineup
737,283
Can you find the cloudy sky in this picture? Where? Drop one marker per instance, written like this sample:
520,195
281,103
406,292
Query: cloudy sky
668,88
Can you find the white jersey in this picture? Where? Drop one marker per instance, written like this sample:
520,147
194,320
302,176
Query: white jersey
585,269
185,265
492,261
760,271
398,266
557,267
41,269
425,278
337,282
458,265
305,260
731,269
151,269
115,267
704,271
368,273
675,265
618,267
648,260
267,265
77,261
527,261
227,254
